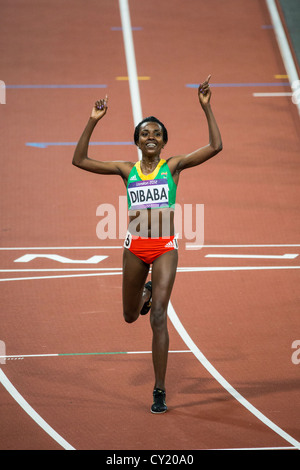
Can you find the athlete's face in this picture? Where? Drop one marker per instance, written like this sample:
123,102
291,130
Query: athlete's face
151,138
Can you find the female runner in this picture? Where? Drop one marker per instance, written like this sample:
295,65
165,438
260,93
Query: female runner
151,191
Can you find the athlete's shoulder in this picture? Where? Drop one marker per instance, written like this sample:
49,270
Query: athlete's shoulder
125,168
173,163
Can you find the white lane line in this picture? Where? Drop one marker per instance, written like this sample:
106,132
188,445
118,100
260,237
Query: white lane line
131,64
150,352
22,356
283,44
286,256
60,276
179,270
56,270
240,246
271,95
32,413
96,259
25,356
104,247
191,345
211,369
108,247
232,268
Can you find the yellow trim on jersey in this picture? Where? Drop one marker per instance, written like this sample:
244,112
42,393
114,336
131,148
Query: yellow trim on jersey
152,175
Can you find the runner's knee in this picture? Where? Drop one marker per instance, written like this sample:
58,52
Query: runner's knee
130,316
158,316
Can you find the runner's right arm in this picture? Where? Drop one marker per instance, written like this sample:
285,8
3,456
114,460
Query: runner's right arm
80,157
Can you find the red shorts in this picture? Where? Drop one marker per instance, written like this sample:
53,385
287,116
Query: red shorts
148,249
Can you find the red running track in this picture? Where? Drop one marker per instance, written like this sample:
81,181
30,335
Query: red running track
238,302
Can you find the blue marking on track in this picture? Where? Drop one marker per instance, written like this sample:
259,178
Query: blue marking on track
119,28
43,145
55,86
195,85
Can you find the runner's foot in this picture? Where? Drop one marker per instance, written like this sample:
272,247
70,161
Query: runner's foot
147,294
159,401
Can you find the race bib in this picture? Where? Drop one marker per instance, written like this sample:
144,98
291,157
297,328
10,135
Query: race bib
127,241
149,194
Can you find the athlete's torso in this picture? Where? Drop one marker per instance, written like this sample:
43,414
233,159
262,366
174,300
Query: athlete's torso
156,190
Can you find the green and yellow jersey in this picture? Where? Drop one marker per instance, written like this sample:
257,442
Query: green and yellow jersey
154,191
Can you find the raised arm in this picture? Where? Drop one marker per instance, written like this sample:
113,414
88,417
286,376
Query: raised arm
80,157
214,146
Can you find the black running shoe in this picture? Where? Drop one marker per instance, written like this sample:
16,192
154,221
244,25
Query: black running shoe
147,305
159,401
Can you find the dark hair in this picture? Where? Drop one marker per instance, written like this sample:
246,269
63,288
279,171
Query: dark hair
150,119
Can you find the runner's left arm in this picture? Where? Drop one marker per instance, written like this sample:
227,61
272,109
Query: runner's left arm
181,162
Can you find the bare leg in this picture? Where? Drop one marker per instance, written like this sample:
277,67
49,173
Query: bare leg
135,273
163,277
